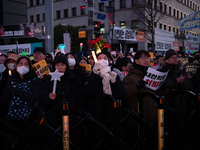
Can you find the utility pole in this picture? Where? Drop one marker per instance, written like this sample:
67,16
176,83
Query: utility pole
90,22
49,35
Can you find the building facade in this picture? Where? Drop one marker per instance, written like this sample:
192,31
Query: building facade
75,13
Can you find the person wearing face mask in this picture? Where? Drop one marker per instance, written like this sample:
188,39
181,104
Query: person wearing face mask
76,69
102,86
67,89
9,63
2,67
21,93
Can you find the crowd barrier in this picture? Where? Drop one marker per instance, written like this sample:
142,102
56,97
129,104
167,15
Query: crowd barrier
118,141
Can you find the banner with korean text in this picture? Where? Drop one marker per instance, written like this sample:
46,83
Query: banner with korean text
190,22
154,78
163,40
124,34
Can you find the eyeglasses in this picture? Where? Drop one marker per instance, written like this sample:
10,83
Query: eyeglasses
174,58
145,58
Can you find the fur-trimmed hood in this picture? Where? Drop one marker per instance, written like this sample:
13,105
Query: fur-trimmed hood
180,64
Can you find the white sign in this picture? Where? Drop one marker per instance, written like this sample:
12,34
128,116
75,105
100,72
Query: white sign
163,45
163,40
124,34
67,42
154,78
4,49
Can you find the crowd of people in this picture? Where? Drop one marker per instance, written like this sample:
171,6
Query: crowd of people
110,78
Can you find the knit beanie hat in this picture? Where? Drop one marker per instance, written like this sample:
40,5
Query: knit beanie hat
60,58
170,53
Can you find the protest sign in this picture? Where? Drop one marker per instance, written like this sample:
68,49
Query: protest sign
154,78
184,60
41,68
124,34
191,68
124,73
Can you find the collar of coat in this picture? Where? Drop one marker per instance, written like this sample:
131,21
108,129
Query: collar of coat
164,63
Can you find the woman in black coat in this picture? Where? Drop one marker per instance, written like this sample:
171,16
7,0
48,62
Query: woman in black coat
68,89
21,93
102,87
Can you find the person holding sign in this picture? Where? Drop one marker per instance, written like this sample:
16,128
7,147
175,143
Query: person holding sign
134,83
22,91
176,79
67,89
102,86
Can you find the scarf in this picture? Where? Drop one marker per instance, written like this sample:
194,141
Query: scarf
142,68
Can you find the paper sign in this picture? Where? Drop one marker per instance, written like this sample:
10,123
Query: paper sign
151,58
124,73
191,68
154,78
41,68
185,60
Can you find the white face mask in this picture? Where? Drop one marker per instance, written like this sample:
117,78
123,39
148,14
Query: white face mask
71,62
11,66
103,62
2,68
22,70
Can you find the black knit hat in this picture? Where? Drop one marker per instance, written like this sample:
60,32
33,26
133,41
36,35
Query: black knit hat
170,53
60,58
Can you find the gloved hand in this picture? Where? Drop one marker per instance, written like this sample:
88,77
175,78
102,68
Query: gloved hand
97,68
113,77
141,84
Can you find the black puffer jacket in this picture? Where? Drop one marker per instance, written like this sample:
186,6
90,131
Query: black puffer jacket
30,98
67,89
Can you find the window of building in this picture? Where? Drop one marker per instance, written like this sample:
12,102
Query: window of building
193,6
37,2
160,25
184,1
42,1
155,4
43,17
177,13
123,24
65,13
38,17
174,13
32,18
112,3
190,4
102,28
74,11
165,27
161,7
134,24
58,14
177,31
198,8
184,15
122,4
31,3
155,24
83,10
170,10
181,15
101,6
165,8
169,28
174,29
134,2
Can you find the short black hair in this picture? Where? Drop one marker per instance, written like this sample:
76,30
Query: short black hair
40,49
4,55
139,54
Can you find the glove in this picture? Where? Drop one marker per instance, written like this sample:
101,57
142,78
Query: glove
113,76
97,68
141,84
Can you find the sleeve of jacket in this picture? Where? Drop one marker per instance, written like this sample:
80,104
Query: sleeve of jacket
93,85
130,87
117,88
30,98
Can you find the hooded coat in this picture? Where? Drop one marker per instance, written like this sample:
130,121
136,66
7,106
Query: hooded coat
150,110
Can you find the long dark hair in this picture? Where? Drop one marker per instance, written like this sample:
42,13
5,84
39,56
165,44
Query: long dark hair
28,60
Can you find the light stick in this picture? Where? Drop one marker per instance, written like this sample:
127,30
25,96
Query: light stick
55,76
94,56
9,72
